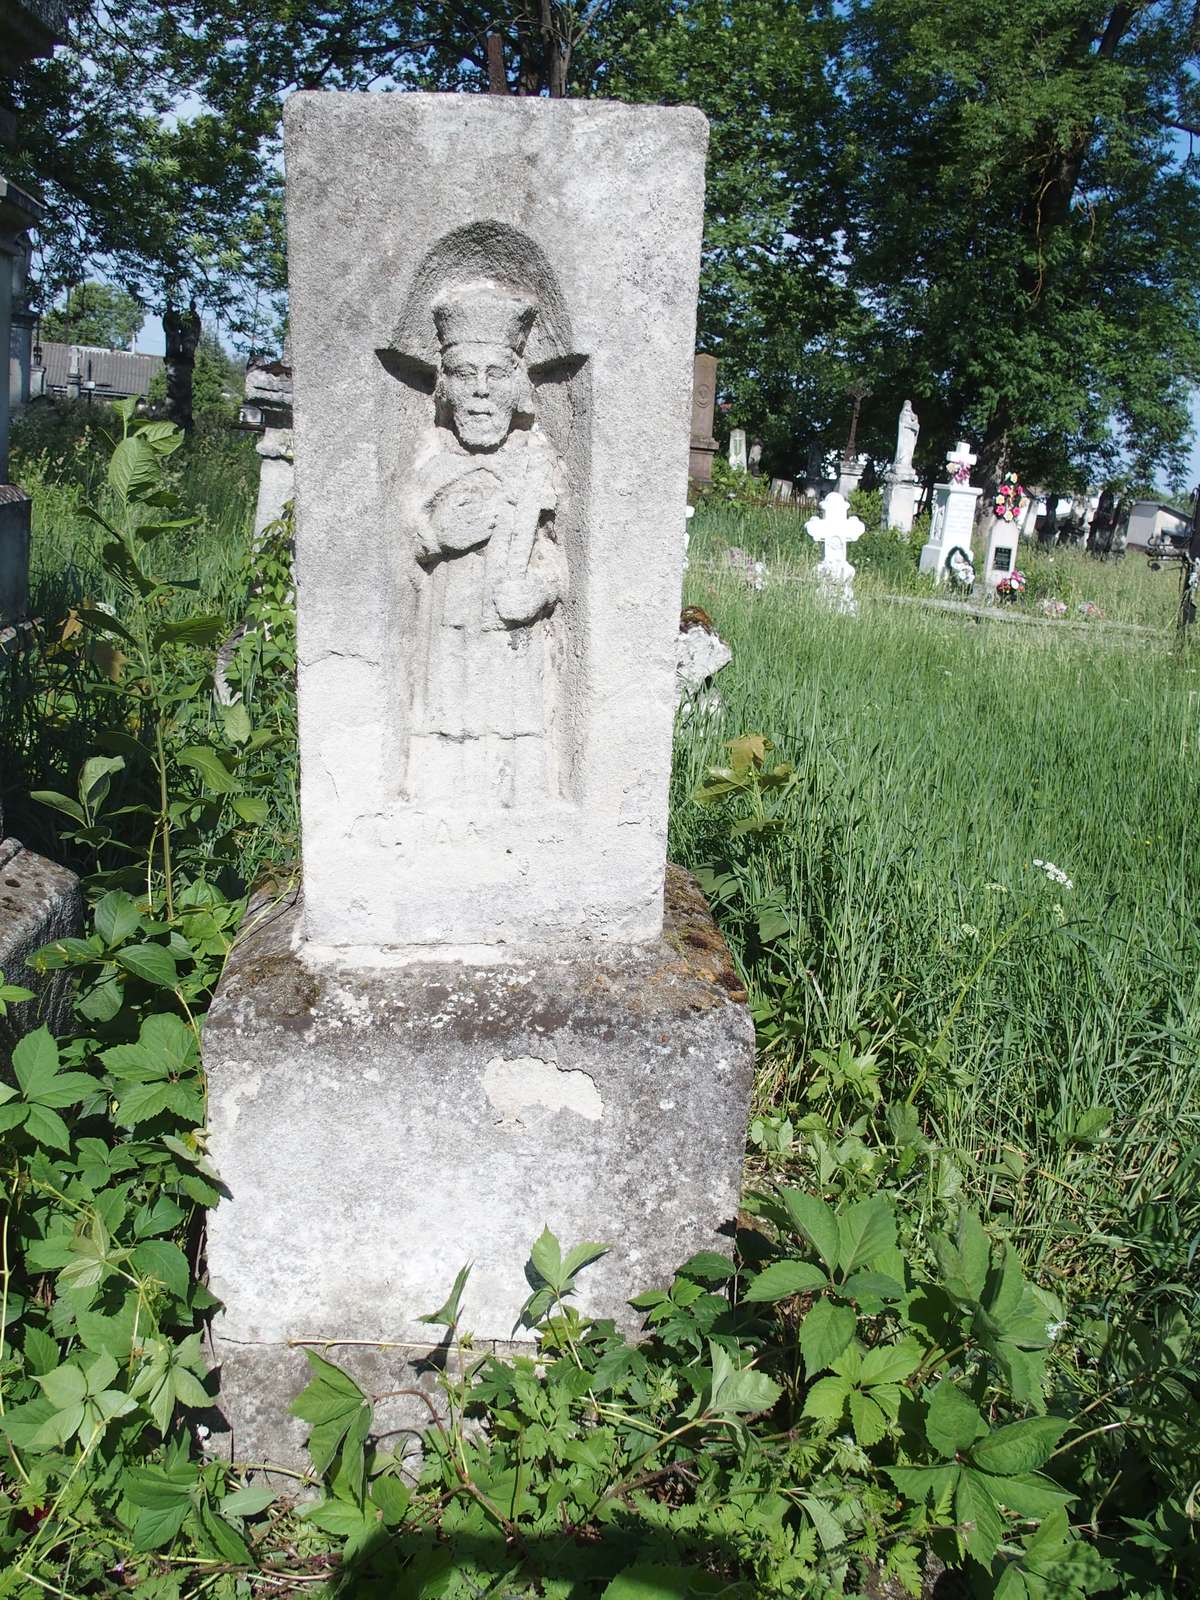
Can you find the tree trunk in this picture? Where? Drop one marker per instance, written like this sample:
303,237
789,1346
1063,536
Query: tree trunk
497,74
181,330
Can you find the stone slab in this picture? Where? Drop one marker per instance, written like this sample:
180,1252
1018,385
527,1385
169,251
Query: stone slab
39,901
592,212
376,1130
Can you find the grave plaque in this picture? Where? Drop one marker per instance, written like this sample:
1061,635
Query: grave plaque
704,393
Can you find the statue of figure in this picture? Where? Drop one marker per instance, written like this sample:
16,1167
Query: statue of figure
906,441
480,513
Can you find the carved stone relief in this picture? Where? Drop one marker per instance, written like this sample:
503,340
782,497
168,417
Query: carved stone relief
483,492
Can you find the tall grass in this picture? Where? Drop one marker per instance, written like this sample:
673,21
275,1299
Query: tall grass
937,759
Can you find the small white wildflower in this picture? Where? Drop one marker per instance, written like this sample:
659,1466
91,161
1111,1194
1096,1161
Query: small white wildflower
539,1370
1053,1329
968,930
1055,874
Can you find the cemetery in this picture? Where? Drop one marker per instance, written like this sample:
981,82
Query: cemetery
599,976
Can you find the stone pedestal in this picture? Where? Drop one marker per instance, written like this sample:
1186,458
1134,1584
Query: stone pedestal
268,410
39,901
376,1130
850,475
15,509
950,527
900,501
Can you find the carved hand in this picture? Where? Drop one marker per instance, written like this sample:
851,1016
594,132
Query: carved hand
464,513
520,600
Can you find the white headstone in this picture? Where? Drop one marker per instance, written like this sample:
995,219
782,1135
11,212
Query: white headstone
737,449
850,475
834,530
953,519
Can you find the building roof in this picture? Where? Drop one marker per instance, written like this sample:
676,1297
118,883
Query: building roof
114,373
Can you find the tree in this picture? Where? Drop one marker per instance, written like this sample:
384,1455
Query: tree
95,313
1022,225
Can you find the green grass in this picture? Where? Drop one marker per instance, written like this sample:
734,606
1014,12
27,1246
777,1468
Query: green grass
938,758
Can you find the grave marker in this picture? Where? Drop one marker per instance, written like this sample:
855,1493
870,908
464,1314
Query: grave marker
485,1014
834,530
953,519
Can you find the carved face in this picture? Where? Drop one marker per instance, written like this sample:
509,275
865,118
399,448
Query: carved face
481,384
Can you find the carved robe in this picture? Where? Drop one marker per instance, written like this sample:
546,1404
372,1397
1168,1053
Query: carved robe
491,575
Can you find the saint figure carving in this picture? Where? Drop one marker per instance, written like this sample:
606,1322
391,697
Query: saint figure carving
491,574
906,441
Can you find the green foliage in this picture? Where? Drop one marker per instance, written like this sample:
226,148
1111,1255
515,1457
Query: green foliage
94,313
217,382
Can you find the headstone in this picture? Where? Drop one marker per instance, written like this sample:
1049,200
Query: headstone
737,450
953,518
900,481
834,530
704,393
268,409
18,212
39,901
780,490
1001,552
754,459
484,1014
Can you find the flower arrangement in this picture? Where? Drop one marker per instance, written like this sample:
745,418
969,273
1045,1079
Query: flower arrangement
1053,608
1010,499
1089,609
1011,585
961,474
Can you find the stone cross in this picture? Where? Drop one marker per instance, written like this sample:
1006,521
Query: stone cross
737,449
962,456
834,530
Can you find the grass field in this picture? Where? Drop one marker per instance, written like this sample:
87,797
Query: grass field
937,759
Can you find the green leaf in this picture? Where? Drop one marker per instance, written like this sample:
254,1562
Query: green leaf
580,1256
65,1386
1030,1495
816,1222
826,1400
963,1258
235,721
330,1402
41,1352
35,1062
446,1314
117,916
1019,1447
95,779
226,1541
150,962
47,1127
60,802
978,1515
392,1497
784,1278
708,1266
1090,1125
104,621
890,1363
164,1261
952,1423
870,1424
249,1500
546,1259
738,1392
865,1231
156,1527
214,774
133,467
251,808
337,1517
824,1334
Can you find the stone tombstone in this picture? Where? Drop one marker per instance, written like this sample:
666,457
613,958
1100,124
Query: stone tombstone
900,481
704,394
738,457
953,517
39,901
834,530
1001,552
754,459
491,1007
850,475
268,410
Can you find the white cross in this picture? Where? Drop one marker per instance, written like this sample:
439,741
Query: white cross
834,530
961,456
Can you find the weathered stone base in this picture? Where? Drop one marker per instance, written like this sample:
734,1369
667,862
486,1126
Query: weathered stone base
39,901
900,503
376,1129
